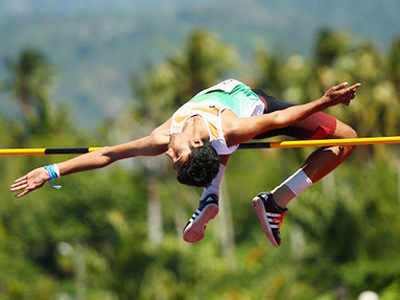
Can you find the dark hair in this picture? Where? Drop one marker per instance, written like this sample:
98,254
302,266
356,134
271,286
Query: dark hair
201,167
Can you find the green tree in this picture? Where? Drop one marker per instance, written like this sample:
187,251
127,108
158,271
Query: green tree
30,80
340,237
270,75
203,61
330,45
394,63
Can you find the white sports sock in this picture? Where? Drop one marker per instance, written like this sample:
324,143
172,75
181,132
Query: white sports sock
291,187
298,182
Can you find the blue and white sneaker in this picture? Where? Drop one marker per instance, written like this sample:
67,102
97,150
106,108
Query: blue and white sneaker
195,227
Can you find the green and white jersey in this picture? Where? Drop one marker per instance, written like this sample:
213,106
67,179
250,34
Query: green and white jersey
233,94
210,103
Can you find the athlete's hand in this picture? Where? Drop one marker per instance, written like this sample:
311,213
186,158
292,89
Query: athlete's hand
341,94
31,181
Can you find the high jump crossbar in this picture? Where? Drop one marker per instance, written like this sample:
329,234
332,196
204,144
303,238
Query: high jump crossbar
258,145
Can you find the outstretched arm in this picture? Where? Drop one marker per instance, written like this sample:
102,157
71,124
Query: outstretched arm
154,144
247,128
150,145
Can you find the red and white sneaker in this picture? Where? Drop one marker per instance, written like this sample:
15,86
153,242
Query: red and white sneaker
270,216
195,227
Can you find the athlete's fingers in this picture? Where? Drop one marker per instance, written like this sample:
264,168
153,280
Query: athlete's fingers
339,86
19,183
351,89
351,94
22,194
348,100
20,179
18,188
354,87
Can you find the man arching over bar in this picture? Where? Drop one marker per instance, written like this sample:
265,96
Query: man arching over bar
202,134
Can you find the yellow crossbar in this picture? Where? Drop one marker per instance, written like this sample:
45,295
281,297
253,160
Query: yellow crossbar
23,151
45,151
259,145
336,142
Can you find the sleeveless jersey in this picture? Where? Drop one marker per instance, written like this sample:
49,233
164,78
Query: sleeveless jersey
209,105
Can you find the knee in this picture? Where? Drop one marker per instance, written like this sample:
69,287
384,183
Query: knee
350,134
346,132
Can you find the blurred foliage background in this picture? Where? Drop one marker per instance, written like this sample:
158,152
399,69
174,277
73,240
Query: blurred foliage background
116,233
97,44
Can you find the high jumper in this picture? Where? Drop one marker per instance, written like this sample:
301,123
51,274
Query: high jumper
202,134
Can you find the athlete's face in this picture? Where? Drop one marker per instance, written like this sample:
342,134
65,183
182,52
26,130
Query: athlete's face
179,149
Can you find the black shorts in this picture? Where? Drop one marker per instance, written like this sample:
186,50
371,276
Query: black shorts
317,126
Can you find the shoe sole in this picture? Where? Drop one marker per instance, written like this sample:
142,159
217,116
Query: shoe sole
195,231
259,208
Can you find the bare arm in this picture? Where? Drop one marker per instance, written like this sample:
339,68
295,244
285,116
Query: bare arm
154,144
150,145
247,128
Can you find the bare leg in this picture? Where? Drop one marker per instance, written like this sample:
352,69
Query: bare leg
320,163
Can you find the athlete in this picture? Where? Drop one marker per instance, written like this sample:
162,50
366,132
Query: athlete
204,132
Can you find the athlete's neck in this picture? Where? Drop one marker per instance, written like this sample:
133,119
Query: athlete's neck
195,128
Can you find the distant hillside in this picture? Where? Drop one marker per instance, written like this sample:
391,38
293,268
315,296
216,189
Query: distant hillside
97,44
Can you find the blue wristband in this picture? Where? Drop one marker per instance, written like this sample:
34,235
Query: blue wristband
53,175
